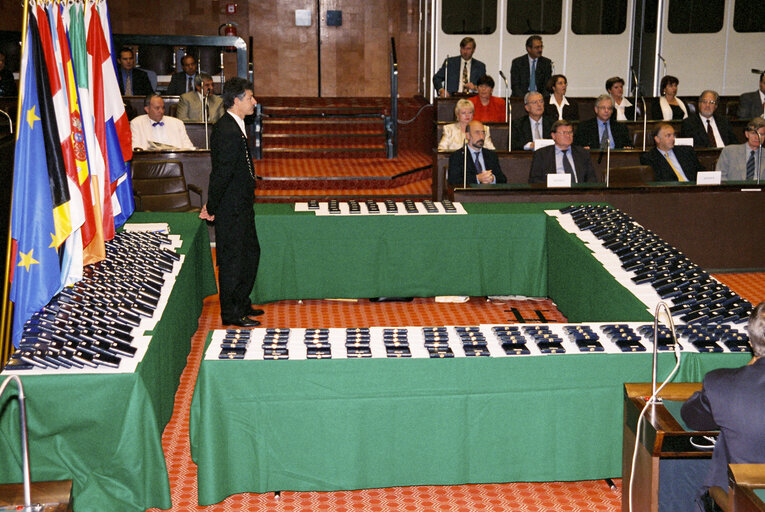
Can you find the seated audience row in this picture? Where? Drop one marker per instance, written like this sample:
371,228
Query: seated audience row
669,162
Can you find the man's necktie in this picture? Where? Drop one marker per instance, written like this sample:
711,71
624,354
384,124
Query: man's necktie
567,165
677,173
478,166
604,142
711,135
160,123
128,84
464,77
750,166
533,78
537,134
189,84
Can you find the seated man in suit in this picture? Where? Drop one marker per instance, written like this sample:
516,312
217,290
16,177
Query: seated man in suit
190,104
738,162
601,130
133,82
461,73
670,162
183,81
530,72
732,400
751,104
481,164
708,129
533,126
155,130
562,157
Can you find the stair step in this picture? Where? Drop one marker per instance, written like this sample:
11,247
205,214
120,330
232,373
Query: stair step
325,151
320,142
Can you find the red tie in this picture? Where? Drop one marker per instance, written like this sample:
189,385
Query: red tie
711,135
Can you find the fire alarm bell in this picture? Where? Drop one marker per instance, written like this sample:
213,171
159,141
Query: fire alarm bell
230,8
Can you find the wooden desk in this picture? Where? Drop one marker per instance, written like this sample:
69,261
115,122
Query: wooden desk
55,496
661,436
705,222
744,479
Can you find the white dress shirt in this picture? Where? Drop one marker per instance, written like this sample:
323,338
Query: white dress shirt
171,131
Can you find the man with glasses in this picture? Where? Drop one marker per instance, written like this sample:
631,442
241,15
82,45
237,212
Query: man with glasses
480,166
708,129
601,131
562,157
535,125
530,72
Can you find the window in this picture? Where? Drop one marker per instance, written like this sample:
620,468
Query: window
469,17
749,16
599,16
537,17
695,16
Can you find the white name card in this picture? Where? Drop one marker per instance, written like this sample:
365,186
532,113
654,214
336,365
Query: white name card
542,143
684,141
708,178
556,180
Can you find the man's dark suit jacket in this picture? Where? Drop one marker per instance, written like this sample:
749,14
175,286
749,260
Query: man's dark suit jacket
749,105
477,70
141,83
177,84
229,198
543,164
733,401
694,127
520,75
457,164
522,131
570,111
661,168
587,134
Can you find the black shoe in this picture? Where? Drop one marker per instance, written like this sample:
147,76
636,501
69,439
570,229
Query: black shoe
242,322
255,311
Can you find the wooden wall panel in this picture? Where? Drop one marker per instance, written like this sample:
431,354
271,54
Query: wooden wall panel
354,55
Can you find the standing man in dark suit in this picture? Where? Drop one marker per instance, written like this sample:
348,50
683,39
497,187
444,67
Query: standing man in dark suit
594,132
183,81
708,129
670,162
751,104
461,73
562,157
229,206
533,126
480,166
732,400
521,69
133,82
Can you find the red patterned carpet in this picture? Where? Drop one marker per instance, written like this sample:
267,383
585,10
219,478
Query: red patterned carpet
501,497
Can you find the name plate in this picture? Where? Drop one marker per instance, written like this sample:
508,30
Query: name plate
555,180
708,178
542,143
684,141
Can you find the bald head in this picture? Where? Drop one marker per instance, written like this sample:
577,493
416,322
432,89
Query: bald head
476,134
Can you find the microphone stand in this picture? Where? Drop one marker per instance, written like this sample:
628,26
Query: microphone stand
608,161
659,307
664,62
205,115
446,76
464,163
10,123
759,157
645,120
508,117
24,440
637,89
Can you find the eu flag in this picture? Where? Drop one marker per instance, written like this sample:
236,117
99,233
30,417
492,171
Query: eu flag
36,270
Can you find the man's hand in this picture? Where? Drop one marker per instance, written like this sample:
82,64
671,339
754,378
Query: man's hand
204,215
470,86
486,177
442,92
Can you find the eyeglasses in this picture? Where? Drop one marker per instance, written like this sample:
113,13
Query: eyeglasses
567,132
708,102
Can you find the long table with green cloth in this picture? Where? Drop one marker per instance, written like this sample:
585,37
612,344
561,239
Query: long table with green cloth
497,249
259,426
104,431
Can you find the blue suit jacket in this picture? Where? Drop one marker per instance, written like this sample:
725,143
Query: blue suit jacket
452,65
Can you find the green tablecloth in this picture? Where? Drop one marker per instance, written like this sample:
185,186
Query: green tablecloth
262,426
499,249
104,431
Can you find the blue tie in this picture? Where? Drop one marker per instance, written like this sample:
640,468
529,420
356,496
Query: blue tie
750,166
160,123
533,78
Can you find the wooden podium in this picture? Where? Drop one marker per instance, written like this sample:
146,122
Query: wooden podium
744,479
661,437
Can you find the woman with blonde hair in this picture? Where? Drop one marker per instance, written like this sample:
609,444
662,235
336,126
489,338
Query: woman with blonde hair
454,134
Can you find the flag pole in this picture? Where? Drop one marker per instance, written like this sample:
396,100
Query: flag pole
7,309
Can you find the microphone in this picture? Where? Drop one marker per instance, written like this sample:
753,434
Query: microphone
205,115
10,123
608,148
552,64
665,63
464,159
446,75
608,162
507,106
757,71
759,157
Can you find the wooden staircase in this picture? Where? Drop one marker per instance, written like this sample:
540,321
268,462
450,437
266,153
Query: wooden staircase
334,148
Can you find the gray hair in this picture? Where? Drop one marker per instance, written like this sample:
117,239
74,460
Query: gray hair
528,95
756,328
201,77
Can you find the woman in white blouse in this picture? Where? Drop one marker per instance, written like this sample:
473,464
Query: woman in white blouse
623,109
558,106
669,107
454,134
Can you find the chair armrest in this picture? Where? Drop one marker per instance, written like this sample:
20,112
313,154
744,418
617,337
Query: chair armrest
196,190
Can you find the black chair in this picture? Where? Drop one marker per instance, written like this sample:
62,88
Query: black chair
160,186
